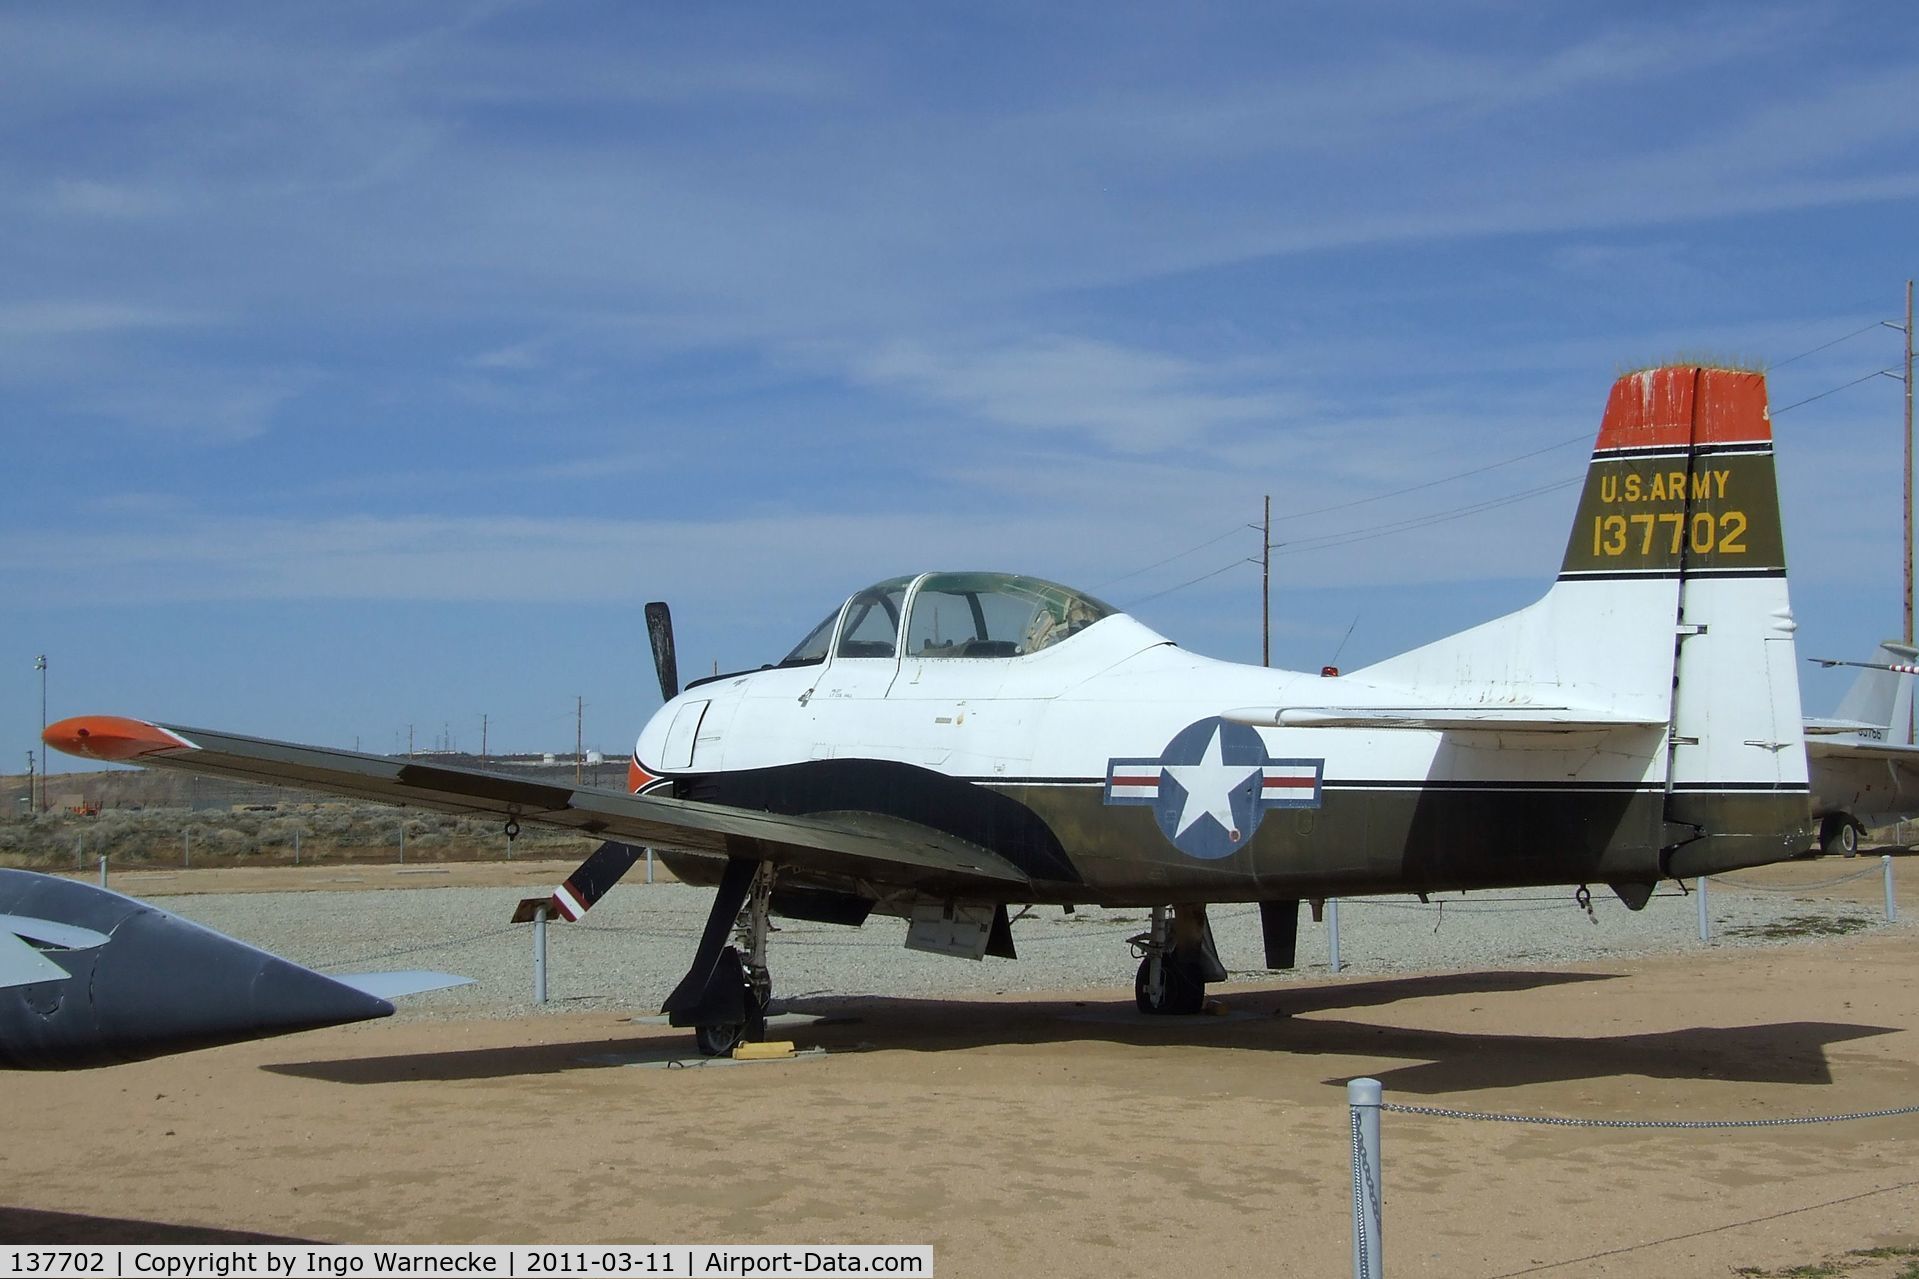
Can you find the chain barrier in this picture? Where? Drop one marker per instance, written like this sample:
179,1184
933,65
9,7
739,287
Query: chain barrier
1365,1190
1870,872
1442,1112
415,950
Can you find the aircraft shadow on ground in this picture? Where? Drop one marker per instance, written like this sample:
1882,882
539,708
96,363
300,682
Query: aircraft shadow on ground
33,1226
1281,1019
850,1023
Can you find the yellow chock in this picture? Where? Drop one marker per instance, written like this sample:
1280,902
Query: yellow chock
771,1051
1214,1008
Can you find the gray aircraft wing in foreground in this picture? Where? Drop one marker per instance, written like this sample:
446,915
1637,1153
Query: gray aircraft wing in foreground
89,977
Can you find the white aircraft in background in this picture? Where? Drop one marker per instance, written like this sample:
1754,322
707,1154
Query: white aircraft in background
946,745
1863,764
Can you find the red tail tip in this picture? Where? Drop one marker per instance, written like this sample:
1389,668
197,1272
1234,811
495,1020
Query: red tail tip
1685,405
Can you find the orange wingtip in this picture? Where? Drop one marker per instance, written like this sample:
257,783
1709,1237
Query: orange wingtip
112,737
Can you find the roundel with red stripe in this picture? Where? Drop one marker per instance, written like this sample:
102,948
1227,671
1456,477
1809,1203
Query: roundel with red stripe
1212,785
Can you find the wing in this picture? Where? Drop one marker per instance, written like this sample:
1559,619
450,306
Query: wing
1855,748
863,845
1479,719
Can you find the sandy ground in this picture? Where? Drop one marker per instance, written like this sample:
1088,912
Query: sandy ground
1059,1134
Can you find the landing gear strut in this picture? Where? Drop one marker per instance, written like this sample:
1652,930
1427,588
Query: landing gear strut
724,995
1177,959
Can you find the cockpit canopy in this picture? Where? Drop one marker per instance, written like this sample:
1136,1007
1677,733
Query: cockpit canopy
951,615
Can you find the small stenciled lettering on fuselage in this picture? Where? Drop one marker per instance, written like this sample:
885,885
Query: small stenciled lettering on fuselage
1211,786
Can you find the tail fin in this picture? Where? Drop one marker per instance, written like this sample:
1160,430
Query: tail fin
1670,608
1882,696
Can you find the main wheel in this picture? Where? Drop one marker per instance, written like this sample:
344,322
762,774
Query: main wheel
1838,835
719,1040
1181,994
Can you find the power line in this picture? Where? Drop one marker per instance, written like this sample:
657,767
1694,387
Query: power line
1237,528
1192,582
1329,540
1444,479
1835,390
1835,342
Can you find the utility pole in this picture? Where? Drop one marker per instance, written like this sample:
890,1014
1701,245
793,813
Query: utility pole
39,663
482,741
1906,377
409,741
579,737
1265,586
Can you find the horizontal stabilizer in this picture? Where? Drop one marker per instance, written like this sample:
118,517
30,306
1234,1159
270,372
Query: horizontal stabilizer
22,965
1466,719
391,986
1856,748
52,932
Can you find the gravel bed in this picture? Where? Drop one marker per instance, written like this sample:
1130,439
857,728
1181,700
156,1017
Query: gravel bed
630,951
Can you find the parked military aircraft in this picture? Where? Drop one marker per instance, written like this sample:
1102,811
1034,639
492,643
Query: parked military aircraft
944,745
89,977
1863,764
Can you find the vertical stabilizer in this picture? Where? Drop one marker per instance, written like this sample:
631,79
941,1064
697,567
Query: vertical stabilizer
1683,488
1670,606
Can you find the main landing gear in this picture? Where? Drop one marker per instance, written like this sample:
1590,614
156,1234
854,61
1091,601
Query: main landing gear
1838,834
1177,958
725,994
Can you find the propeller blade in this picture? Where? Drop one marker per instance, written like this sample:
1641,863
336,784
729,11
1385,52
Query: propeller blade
659,629
586,885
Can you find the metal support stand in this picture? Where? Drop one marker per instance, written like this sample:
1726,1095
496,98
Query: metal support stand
1363,1097
1705,924
1332,930
539,955
1892,904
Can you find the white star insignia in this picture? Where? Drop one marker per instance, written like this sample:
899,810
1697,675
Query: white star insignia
1209,787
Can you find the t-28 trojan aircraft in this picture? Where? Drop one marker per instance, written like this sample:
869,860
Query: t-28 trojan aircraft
945,745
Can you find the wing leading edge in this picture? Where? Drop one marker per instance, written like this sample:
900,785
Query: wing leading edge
864,845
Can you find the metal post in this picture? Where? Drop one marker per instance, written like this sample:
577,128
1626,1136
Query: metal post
1705,924
186,848
1892,906
649,866
103,872
79,851
402,843
296,848
1332,929
539,955
1363,1097
40,664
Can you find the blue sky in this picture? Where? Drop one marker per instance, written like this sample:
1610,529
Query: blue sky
366,365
